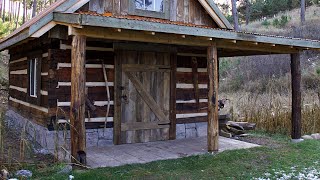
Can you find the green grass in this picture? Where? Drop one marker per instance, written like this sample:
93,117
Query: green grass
236,164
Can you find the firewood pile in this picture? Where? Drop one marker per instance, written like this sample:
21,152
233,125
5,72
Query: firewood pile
228,128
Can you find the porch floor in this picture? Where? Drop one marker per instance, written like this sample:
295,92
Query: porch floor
153,151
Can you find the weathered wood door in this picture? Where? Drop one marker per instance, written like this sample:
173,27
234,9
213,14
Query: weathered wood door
145,96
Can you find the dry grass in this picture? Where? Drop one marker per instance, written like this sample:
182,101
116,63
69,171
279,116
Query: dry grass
272,111
312,17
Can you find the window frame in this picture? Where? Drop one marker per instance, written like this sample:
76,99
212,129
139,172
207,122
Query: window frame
147,13
33,62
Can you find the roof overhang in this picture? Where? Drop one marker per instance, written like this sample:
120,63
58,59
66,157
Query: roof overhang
225,38
40,23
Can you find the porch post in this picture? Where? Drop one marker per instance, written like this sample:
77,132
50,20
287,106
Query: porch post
213,124
296,96
77,108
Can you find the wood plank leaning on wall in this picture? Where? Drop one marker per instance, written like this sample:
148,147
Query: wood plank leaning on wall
77,113
213,116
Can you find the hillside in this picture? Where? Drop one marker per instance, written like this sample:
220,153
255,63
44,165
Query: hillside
290,25
253,73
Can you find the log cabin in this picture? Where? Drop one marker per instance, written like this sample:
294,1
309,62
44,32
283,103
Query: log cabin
130,71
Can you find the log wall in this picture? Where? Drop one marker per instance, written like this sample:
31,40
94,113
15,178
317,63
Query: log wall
60,82
187,11
32,108
191,87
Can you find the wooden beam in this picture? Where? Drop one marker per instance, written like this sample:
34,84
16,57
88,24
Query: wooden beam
213,116
77,113
106,33
173,97
296,96
117,97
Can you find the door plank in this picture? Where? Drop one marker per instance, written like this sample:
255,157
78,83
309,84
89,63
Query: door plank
148,99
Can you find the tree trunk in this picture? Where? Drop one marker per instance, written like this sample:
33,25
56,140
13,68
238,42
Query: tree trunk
9,12
18,14
235,15
1,2
4,11
303,12
24,11
34,8
248,10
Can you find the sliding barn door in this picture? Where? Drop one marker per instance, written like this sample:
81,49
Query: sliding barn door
145,96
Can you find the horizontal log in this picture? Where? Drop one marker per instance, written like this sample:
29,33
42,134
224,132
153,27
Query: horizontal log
68,65
191,101
64,75
188,86
88,84
188,94
88,48
44,55
96,103
18,88
63,112
192,120
43,109
182,69
34,115
20,72
192,54
88,120
179,116
187,78
18,60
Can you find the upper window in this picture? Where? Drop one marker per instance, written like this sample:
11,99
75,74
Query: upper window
150,5
33,77
150,8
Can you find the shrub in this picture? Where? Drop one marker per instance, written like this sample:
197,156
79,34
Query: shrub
311,81
280,23
275,22
318,71
265,23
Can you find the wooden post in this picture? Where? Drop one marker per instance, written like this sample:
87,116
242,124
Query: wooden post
77,108
213,116
296,96
173,123
117,97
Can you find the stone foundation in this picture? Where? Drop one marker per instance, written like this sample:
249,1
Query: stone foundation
49,139
95,137
191,130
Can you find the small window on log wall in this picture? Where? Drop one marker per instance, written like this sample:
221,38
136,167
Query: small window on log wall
150,5
33,77
150,8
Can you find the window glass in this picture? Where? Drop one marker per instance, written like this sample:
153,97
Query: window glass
150,5
33,77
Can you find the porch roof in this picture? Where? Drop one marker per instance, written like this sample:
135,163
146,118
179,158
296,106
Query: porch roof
89,24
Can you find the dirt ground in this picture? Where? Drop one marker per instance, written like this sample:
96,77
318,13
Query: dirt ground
14,151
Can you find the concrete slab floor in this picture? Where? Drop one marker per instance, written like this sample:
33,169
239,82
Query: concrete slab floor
153,151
